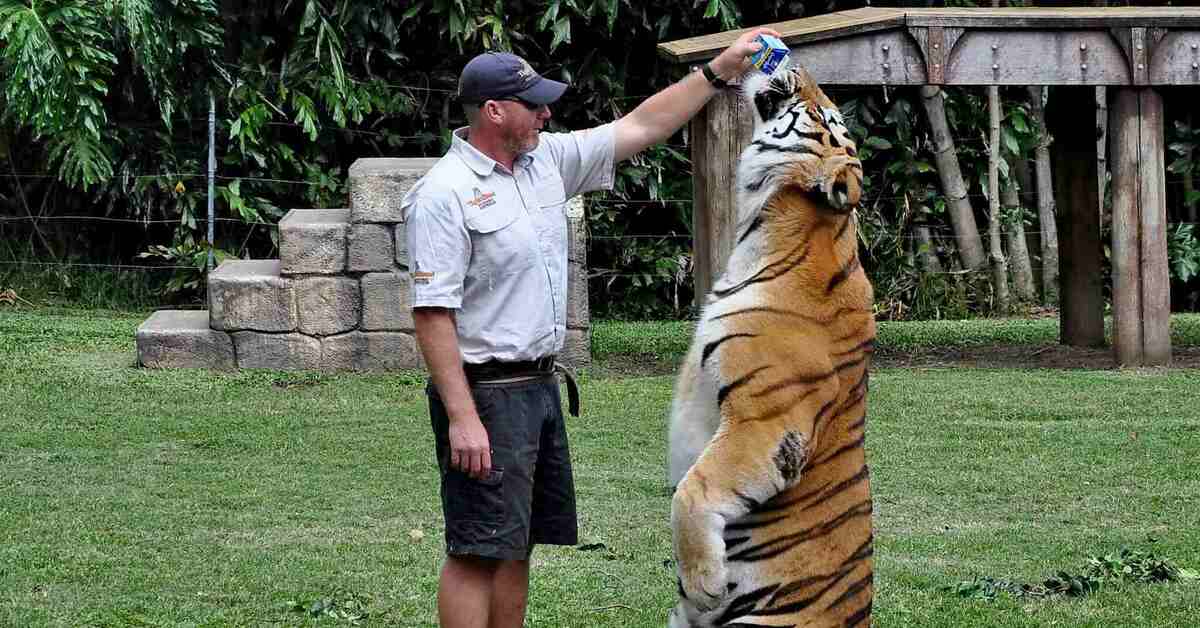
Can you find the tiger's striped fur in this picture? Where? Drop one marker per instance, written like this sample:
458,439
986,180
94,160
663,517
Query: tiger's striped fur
772,510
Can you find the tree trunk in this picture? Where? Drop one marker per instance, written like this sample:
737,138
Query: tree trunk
1101,148
927,251
1018,252
996,258
962,217
1045,198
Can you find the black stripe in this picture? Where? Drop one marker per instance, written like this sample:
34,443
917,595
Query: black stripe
852,590
790,148
745,602
749,502
795,381
842,274
728,388
866,344
758,221
845,366
762,275
777,546
734,541
845,448
863,552
845,225
858,617
824,493
753,525
710,347
791,126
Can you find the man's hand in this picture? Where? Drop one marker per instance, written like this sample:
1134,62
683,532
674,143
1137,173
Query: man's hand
470,450
734,60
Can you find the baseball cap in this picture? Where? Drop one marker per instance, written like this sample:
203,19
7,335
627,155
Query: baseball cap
495,75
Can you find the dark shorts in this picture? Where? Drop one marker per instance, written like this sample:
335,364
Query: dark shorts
530,498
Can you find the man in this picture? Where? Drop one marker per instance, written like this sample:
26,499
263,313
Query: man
487,238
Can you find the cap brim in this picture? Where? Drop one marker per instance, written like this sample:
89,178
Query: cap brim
543,92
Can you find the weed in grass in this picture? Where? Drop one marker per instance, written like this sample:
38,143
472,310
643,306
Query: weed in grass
1127,566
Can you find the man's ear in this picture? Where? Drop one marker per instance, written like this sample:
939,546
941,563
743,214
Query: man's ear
493,112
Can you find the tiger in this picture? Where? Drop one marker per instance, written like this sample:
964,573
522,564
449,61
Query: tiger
771,513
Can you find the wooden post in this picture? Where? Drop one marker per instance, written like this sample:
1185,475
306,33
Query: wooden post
1074,163
1126,241
718,134
1141,278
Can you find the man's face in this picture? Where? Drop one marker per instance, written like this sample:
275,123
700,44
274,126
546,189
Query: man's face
522,123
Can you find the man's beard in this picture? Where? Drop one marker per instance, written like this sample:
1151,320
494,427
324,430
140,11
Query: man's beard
519,145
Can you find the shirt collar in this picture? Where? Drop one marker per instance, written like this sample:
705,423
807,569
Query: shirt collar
476,160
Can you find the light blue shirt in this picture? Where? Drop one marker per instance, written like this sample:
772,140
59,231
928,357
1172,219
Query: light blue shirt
492,244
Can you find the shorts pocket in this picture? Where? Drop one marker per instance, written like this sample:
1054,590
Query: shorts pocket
471,502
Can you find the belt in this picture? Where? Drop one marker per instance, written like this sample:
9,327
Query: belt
493,370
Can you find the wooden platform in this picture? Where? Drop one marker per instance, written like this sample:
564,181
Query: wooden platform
843,23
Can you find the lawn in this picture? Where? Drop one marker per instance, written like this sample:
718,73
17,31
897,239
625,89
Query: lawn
131,497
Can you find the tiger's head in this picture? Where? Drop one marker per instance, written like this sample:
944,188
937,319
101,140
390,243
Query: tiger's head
800,140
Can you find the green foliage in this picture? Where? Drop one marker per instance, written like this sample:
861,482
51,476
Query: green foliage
1127,566
1183,251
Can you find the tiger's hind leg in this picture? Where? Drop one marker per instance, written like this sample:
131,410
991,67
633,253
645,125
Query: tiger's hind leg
747,463
694,416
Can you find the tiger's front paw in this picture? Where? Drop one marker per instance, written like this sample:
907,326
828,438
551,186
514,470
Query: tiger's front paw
704,584
843,184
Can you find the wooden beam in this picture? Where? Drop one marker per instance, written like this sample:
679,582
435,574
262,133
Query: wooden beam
1074,155
718,133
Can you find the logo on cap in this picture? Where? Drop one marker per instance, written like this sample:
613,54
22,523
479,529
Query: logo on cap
526,72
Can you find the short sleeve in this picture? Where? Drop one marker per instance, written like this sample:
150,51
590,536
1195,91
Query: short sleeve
439,250
585,158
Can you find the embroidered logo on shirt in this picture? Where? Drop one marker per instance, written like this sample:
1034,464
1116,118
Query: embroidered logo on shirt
482,200
422,276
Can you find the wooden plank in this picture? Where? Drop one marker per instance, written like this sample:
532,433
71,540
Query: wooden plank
883,58
1074,155
820,27
719,134
1123,130
1041,57
1055,17
1176,60
1152,184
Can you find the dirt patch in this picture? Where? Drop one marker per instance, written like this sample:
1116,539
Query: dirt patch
986,356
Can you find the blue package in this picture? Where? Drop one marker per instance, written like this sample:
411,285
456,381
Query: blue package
772,55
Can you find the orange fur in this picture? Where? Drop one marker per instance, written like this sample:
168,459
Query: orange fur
772,521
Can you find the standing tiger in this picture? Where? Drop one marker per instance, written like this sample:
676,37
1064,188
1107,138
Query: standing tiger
772,508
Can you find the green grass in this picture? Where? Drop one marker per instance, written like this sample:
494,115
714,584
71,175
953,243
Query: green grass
132,497
671,338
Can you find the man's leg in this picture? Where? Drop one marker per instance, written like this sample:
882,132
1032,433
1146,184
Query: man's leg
465,591
510,594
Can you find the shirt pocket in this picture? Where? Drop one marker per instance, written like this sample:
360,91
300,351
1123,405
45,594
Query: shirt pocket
500,239
552,210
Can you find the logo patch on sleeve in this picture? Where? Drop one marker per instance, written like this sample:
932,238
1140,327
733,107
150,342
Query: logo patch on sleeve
422,276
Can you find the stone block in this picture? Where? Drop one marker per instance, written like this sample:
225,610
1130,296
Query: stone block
577,297
183,339
251,295
287,352
386,298
327,305
402,245
371,351
577,352
576,232
372,248
378,184
313,241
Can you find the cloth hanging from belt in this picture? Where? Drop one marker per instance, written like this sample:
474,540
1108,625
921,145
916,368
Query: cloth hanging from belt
494,370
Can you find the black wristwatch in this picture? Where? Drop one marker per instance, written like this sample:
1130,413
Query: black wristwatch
712,77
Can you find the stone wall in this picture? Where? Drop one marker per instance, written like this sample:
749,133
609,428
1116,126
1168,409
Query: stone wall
338,296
